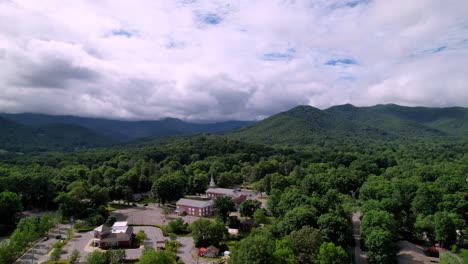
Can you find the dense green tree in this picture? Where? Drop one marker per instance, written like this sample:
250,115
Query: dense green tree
69,204
379,219
331,254
152,256
169,188
255,249
445,226
97,257
283,253
305,242
260,217
223,205
297,218
380,246
177,226
248,207
427,196
98,196
335,228
10,205
206,232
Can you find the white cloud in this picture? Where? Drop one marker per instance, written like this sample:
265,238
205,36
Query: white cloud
222,60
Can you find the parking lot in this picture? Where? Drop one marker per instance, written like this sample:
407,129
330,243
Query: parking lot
147,215
38,253
83,243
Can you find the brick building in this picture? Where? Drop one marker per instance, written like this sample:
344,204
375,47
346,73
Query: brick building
194,207
119,235
236,195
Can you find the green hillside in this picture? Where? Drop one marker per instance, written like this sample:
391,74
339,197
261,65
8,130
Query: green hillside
125,131
309,125
16,137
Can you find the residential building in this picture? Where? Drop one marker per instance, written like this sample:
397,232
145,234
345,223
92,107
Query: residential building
119,235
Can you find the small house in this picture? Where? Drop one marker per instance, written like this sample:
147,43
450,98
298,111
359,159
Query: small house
211,252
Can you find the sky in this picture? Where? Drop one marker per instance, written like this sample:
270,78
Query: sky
229,60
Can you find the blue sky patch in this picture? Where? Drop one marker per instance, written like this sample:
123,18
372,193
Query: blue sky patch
346,61
277,56
122,32
211,18
354,3
349,4
439,49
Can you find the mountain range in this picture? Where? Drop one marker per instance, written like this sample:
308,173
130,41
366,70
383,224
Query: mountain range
38,132
298,126
309,125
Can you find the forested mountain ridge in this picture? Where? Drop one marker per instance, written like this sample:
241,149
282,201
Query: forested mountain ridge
17,137
121,130
309,125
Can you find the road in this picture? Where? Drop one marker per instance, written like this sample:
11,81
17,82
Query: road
186,250
359,256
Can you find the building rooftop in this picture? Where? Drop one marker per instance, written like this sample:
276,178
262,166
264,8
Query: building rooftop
120,224
223,191
194,203
102,229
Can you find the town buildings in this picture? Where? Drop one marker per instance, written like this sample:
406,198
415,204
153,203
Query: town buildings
119,235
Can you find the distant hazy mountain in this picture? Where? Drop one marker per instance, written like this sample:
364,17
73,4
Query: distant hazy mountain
63,128
15,137
308,125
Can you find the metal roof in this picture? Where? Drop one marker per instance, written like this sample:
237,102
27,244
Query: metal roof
194,203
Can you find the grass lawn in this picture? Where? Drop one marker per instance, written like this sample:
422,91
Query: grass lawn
148,201
117,206
62,261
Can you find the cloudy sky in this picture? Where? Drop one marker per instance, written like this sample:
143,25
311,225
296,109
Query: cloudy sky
219,60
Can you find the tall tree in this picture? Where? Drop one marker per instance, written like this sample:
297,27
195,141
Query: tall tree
305,242
169,187
248,207
223,206
206,232
331,254
10,205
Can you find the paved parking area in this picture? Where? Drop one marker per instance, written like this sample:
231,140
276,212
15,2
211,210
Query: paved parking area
82,241
38,253
141,215
147,215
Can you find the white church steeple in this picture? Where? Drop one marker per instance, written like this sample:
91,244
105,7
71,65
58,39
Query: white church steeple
212,182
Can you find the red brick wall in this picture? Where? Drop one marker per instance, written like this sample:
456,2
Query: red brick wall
196,211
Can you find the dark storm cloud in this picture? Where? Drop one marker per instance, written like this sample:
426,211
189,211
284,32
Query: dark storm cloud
52,73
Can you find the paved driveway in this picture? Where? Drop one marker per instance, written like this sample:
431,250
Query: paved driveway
187,250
